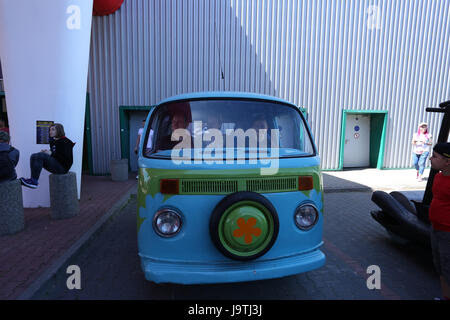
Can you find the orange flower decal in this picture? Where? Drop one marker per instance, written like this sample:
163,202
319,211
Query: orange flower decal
247,229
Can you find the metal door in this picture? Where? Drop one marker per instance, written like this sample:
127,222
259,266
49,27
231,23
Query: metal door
357,141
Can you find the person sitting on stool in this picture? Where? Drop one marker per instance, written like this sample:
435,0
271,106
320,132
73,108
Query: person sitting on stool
9,157
58,160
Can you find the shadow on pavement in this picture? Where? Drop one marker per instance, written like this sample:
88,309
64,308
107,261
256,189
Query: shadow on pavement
335,184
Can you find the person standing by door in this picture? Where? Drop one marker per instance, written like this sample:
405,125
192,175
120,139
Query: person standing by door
421,142
138,140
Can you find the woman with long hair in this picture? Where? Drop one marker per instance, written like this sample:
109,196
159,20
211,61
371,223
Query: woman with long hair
57,160
421,142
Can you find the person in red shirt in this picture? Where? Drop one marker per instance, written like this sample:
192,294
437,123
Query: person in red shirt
439,215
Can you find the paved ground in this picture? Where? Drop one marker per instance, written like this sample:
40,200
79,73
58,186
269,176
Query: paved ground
110,267
29,255
373,179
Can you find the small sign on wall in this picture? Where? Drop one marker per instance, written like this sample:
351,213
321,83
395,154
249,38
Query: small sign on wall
42,127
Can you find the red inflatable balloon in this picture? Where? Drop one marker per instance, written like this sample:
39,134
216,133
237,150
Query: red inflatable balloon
106,7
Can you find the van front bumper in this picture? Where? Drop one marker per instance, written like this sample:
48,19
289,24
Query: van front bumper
159,271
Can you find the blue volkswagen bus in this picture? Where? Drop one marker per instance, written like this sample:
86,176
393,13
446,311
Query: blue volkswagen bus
230,189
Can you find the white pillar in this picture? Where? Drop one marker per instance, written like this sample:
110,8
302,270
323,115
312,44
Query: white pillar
44,51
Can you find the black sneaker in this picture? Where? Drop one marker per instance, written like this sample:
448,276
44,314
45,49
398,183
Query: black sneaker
28,183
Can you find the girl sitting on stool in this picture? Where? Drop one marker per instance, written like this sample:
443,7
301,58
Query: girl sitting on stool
57,160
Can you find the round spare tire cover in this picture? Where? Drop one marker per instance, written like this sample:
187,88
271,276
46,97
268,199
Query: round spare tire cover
244,225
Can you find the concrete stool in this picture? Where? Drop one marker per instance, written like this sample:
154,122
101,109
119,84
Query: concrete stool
63,195
119,170
11,207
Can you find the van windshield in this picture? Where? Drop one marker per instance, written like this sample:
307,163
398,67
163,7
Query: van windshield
227,128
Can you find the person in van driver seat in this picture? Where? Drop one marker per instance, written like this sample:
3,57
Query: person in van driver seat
260,123
179,121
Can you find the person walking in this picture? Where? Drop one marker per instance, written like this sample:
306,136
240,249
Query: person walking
421,142
57,160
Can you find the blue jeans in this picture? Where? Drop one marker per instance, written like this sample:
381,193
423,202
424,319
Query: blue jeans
419,161
42,160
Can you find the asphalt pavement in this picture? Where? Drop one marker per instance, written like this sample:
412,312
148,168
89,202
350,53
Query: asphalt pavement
353,241
102,242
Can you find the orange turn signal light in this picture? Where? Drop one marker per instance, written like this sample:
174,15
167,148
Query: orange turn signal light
305,183
170,186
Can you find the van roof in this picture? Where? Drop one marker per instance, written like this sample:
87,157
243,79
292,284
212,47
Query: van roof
224,94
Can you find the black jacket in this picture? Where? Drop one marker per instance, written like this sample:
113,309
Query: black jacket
62,151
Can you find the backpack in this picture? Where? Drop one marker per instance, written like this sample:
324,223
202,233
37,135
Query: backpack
6,165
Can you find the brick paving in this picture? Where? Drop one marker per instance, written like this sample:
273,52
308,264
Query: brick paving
24,256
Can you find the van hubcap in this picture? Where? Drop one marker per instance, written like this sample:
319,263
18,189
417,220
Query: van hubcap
246,228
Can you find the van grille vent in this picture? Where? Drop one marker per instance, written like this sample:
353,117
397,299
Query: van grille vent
227,186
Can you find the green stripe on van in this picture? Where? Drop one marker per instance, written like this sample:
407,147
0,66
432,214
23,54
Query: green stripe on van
224,181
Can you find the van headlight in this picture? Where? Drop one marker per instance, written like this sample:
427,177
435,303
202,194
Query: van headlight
306,216
167,222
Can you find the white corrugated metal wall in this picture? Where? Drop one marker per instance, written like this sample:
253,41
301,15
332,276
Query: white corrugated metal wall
325,55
